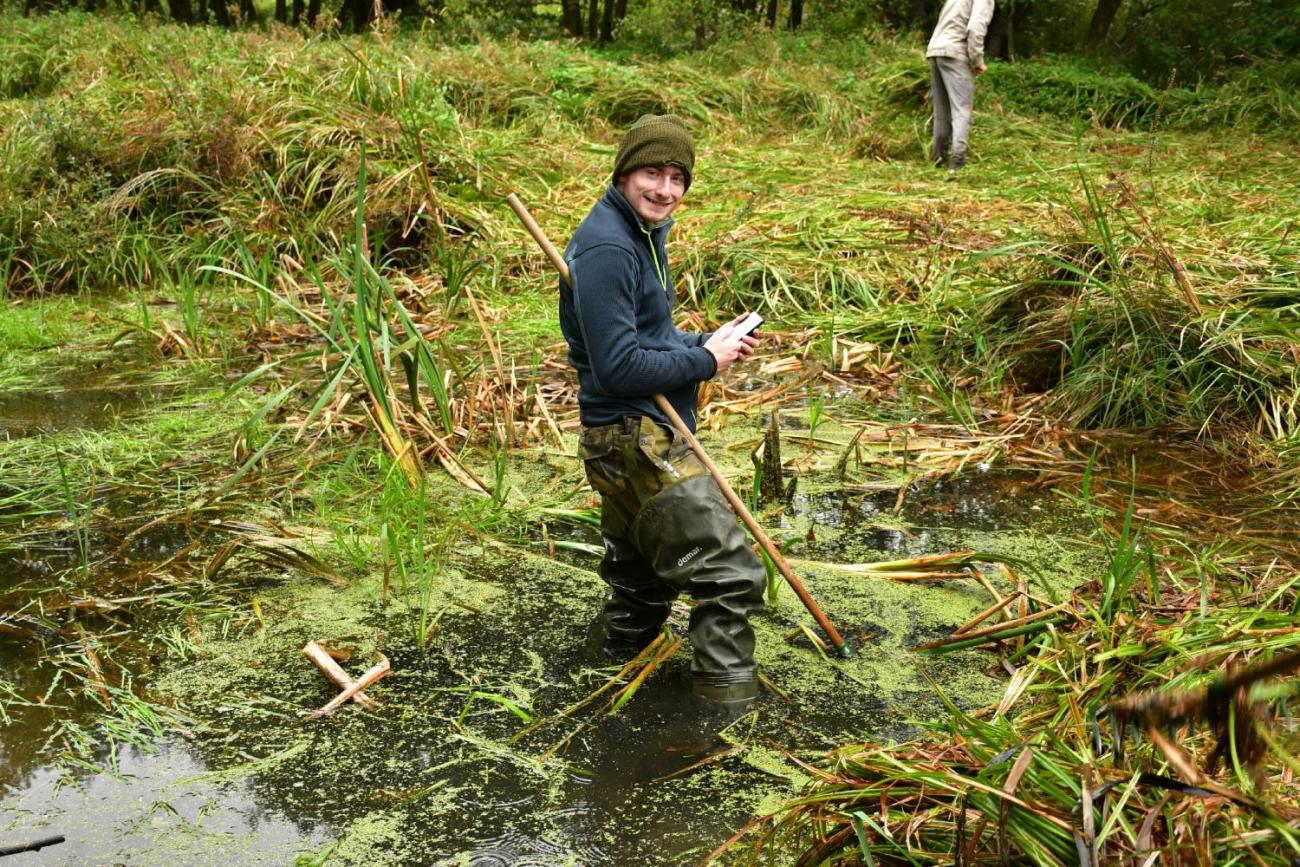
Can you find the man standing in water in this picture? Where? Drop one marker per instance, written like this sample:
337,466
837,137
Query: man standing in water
666,526
956,55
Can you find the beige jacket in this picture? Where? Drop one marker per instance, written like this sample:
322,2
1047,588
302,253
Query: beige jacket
960,31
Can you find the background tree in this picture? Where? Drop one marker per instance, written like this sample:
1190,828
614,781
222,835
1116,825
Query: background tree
607,22
571,15
1009,18
1102,17
908,14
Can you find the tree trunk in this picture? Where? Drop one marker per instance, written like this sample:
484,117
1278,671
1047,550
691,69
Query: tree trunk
997,42
1008,17
297,13
1102,17
247,13
352,15
620,10
221,12
355,14
796,14
771,14
281,11
593,19
607,22
918,15
313,12
1019,15
181,12
571,13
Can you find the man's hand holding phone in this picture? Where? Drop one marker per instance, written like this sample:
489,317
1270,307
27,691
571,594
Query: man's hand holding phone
734,341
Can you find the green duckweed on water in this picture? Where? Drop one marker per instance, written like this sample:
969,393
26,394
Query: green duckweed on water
511,628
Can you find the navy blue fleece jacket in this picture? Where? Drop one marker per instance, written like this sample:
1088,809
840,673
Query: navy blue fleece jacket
618,320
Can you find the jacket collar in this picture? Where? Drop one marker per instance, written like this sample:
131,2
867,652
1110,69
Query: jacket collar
619,203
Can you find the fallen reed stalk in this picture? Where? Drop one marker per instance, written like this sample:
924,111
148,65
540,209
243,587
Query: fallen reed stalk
1043,776
378,670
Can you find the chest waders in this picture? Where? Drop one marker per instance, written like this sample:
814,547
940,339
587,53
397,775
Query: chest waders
668,530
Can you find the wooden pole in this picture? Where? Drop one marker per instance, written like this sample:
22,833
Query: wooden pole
737,504
540,237
34,846
747,519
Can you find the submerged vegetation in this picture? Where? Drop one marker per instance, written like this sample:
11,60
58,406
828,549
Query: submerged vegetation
279,366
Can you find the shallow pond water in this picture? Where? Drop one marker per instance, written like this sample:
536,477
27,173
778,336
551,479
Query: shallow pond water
74,407
433,777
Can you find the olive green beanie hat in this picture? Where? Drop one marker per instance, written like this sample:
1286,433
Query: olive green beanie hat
655,140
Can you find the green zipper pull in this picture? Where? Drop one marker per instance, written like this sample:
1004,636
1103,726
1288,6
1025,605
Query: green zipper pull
654,256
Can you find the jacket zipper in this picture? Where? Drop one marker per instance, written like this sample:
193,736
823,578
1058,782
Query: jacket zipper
654,257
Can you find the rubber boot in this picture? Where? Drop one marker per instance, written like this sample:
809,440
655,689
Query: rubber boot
691,538
712,717
637,606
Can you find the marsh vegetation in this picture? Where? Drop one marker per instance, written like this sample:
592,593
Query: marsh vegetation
277,365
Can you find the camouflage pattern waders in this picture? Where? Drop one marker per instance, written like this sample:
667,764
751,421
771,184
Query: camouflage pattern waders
668,529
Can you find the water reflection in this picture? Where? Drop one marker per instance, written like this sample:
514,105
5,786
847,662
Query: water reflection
161,808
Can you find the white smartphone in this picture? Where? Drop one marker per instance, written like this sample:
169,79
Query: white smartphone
749,324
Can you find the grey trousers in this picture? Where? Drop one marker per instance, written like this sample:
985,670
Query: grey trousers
952,89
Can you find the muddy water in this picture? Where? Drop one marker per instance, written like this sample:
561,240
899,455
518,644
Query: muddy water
85,407
161,807
432,777
53,592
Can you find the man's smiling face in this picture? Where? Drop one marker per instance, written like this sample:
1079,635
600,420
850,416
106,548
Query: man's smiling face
654,191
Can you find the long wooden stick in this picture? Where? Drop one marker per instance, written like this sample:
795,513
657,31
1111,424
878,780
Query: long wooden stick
34,846
540,237
748,520
737,504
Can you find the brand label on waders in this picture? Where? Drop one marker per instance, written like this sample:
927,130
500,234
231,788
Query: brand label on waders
686,558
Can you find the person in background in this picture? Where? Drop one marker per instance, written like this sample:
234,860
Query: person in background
667,528
956,55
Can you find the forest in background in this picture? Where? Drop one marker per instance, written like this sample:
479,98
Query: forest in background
1161,42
